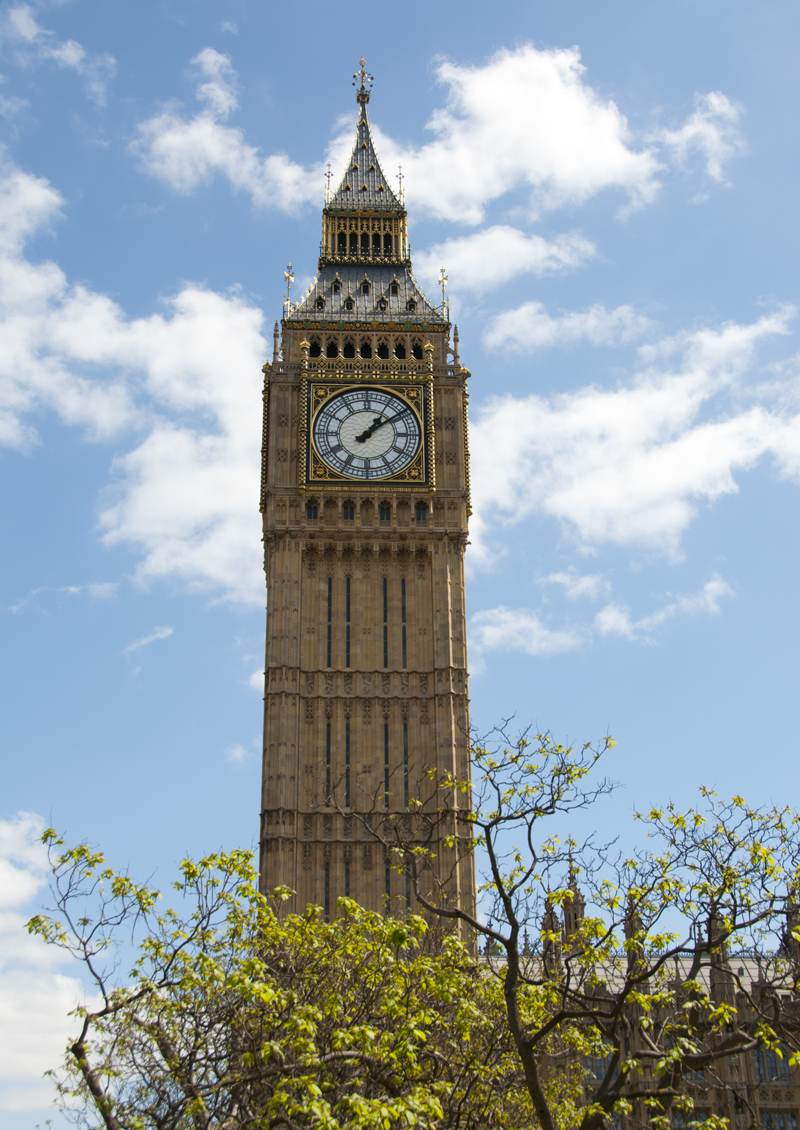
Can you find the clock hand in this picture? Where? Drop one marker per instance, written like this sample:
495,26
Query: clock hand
378,422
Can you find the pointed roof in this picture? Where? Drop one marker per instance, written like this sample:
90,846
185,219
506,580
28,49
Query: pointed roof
364,184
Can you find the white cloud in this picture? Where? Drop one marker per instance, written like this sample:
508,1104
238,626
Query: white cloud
191,376
530,327
615,619
711,131
151,637
629,465
520,629
525,119
577,585
236,754
256,680
35,43
497,254
187,152
102,591
35,997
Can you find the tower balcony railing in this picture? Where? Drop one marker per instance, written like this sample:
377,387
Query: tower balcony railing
367,255
366,369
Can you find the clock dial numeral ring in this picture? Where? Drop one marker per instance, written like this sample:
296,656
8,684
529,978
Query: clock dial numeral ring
366,433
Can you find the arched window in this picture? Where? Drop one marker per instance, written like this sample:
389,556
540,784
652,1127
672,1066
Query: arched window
332,348
376,243
394,289
342,242
348,512
365,287
411,305
387,243
382,305
416,351
400,351
337,286
348,303
354,243
366,350
349,349
315,349
385,512
312,512
365,243
320,303
383,350
422,512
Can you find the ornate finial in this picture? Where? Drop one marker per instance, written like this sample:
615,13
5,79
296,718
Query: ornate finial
443,285
328,179
362,94
288,278
400,182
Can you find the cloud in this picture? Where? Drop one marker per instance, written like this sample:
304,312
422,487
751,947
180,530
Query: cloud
577,586
37,44
615,619
256,680
711,132
519,629
103,591
189,378
629,465
35,996
530,327
143,641
187,152
495,255
236,754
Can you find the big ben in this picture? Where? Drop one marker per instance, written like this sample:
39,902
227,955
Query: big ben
365,502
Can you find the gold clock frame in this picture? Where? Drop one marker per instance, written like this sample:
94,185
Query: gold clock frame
315,472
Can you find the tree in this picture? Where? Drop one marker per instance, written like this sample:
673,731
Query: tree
640,989
236,1017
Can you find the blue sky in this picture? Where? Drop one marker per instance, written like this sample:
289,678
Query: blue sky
612,190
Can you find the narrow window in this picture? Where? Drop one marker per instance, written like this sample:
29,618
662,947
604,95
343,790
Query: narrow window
332,349
400,351
382,307
385,764
330,617
327,890
403,614
376,243
347,636
394,289
349,346
348,513
347,880
354,243
342,241
411,305
385,622
365,287
383,347
348,305
320,304
366,350
416,351
387,246
422,512
336,286
405,763
315,349
328,765
365,246
385,513
311,512
347,763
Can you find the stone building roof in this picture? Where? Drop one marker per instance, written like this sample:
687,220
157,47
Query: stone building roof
364,184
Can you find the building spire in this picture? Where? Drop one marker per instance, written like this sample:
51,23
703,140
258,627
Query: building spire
362,94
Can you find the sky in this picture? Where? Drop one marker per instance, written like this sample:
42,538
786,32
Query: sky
611,188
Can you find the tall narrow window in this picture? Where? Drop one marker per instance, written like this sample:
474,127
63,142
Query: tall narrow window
408,886
403,614
348,513
347,625
347,880
330,616
422,512
327,890
347,764
385,513
328,765
385,764
385,622
405,764
312,513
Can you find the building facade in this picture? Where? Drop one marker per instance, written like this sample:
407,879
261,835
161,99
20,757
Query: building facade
365,503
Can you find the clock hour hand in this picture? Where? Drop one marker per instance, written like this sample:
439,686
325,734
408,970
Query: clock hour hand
378,422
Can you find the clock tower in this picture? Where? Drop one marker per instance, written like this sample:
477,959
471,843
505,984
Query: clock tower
365,502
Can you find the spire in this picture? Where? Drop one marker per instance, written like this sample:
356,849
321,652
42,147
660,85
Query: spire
364,184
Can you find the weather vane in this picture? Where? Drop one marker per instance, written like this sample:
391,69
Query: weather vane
328,179
400,182
364,75
443,284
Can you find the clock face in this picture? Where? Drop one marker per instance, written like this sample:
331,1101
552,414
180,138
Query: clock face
367,433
